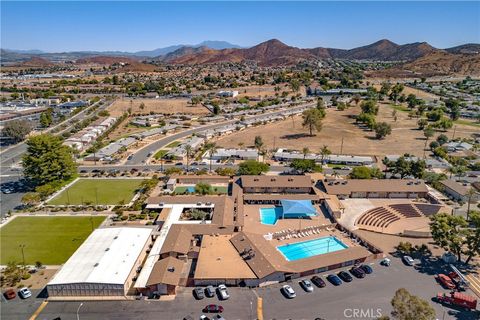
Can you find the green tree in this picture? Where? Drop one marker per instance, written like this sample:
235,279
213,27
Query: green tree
382,129
258,143
409,307
365,173
472,238
367,118
324,152
225,171
448,232
369,106
412,101
17,130
252,167
305,152
203,188
211,147
312,119
442,139
46,118
48,160
305,165
422,123
396,91
188,152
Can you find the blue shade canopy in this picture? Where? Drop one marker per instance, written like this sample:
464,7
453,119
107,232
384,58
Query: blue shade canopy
298,208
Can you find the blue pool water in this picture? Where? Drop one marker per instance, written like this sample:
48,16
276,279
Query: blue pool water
191,189
310,248
270,215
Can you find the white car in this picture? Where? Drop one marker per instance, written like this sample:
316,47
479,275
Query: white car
408,260
222,290
24,293
288,291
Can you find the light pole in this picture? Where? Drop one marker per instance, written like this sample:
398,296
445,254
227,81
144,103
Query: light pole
22,246
78,310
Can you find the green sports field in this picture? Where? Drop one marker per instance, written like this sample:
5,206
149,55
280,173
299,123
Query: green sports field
98,191
50,240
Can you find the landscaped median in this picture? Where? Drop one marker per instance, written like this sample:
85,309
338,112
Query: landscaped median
110,191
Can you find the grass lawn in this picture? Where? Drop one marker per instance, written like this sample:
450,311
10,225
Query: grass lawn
50,240
173,144
400,108
160,154
105,191
467,123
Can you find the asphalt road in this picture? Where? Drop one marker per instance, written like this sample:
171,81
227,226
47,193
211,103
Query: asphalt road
142,154
370,295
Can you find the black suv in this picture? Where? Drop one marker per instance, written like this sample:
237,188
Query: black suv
345,276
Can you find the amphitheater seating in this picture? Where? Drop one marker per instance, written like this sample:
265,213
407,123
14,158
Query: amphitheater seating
407,210
382,217
428,209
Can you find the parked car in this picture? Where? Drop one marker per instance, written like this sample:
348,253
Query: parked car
204,317
178,164
358,272
223,292
345,276
219,317
408,260
306,285
288,291
199,293
24,293
9,294
210,291
318,281
366,268
334,279
386,262
445,281
213,308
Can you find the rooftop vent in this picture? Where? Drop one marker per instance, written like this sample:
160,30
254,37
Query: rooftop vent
116,237
171,269
95,265
344,182
107,249
256,179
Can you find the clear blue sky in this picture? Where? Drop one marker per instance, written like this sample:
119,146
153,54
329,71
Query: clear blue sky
130,26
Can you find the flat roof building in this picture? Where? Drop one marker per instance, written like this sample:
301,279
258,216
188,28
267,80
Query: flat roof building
104,265
376,188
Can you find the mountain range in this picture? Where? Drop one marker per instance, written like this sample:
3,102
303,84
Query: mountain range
275,53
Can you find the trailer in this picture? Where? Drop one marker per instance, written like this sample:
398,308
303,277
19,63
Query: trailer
457,299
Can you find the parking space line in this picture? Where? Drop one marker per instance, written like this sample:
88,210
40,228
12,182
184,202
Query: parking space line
260,308
40,308
474,284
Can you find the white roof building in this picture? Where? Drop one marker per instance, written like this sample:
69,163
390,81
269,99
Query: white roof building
103,265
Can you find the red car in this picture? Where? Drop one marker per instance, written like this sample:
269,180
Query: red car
445,281
214,308
10,294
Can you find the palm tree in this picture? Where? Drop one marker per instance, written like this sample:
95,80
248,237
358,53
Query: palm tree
188,150
212,148
305,152
258,144
325,152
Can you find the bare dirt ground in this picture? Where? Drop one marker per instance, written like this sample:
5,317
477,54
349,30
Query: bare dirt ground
290,134
166,106
417,92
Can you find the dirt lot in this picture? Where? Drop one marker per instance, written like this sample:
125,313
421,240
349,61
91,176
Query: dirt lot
167,106
405,138
419,93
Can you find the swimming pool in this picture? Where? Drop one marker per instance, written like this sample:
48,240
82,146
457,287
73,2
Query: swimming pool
270,215
310,248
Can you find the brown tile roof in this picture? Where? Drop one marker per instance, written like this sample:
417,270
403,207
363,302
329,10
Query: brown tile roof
268,259
203,177
178,240
222,211
166,271
455,186
276,181
373,185
290,196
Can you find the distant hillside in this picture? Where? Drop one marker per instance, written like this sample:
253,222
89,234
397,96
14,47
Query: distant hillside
269,53
105,60
36,62
469,48
444,63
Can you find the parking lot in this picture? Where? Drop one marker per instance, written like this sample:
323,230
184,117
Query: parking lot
371,295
